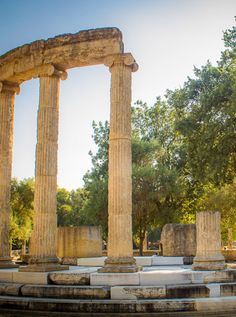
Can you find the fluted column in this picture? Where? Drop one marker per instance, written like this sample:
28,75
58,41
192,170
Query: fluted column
43,240
208,256
120,246
7,99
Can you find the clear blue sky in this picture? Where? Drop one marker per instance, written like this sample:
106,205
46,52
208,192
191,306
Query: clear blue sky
167,38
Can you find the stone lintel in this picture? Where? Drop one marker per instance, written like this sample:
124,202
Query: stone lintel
66,51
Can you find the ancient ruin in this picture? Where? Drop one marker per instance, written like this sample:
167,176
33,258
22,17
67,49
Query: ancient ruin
208,256
48,60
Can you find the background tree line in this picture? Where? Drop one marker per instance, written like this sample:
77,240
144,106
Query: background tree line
184,159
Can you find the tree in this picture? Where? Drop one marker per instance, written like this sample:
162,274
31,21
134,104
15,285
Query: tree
206,107
95,209
21,218
223,200
69,206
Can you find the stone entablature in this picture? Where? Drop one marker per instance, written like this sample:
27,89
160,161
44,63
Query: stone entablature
85,48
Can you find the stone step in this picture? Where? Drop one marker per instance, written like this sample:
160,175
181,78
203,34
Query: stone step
201,305
163,276
173,291
62,291
140,261
69,278
119,292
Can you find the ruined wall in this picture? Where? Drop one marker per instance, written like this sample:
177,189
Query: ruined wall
178,239
83,241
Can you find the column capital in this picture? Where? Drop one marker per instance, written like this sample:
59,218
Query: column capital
48,70
9,87
121,59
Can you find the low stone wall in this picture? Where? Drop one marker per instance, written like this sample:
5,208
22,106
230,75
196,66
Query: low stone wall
76,242
178,239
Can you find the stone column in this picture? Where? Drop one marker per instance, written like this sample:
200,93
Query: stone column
7,99
120,246
43,244
208,255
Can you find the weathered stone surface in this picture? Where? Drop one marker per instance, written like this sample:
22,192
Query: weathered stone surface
187,291
228,290
43,239
6,275
208,256
10,289
70,279
114,279
187,306
178,239
165,277
82,241
90,47
120,248
137,292
7,99
30,278
167,260
72,292
220,277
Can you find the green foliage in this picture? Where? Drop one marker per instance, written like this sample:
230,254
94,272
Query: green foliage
223,200
21,218
69,206
206,107
95,211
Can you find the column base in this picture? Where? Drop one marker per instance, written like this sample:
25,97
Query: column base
7,263
120,265
209,264
43,265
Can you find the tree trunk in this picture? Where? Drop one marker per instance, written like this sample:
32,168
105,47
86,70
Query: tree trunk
23,247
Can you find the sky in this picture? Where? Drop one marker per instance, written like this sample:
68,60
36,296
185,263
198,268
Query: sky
166,37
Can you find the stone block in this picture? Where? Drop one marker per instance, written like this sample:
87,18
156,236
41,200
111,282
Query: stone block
212,305
220,276
82,241
165,277
187,291
166,260
178,239
214,290
137,292
97,261
69,278
197,277
30,277
143,260
6,275
228,289
12,289
114,279
71,292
